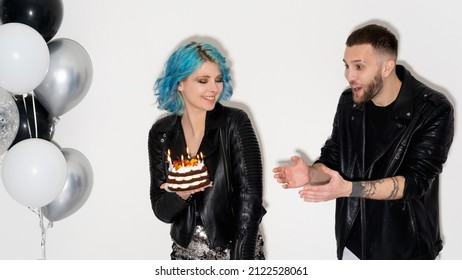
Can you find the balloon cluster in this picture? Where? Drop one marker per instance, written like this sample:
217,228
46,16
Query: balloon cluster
40,80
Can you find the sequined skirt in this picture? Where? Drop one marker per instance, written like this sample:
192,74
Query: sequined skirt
200,249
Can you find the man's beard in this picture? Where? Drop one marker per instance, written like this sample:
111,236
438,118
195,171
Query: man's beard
371,90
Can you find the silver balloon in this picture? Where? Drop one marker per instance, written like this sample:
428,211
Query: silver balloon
9,120
68,79
77,188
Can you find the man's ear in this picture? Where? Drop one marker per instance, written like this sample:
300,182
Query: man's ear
388,67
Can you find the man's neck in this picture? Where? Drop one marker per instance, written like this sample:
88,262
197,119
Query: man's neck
389,92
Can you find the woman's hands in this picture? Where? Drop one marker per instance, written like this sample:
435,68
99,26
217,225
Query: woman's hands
186,194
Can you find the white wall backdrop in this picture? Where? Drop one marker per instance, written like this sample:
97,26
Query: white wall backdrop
288,72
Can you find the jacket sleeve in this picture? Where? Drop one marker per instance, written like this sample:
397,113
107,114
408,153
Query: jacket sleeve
428,149
166,206
330,151
246,178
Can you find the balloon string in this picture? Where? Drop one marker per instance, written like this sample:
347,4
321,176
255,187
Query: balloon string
43,229
35,115
44,233
27,118
43,243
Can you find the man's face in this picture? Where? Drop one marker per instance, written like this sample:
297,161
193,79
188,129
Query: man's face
363,72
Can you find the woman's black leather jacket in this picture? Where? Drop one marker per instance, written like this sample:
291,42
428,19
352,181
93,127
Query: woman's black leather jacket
415,145
231,210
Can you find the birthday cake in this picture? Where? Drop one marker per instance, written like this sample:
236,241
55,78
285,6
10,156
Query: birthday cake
187,174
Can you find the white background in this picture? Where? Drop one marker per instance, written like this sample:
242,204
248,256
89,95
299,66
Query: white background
286,58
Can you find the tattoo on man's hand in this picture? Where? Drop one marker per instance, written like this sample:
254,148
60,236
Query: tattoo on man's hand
367,189
394,191
364,188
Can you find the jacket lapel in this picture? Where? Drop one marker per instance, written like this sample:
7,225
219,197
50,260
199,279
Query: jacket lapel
401,115
213,122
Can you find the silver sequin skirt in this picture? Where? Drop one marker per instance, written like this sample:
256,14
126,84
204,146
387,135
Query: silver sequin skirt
200,249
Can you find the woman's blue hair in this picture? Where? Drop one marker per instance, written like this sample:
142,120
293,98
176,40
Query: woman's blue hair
181,64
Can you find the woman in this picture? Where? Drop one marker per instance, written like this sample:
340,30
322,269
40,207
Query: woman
220,221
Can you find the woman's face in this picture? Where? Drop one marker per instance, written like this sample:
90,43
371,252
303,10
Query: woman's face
202,88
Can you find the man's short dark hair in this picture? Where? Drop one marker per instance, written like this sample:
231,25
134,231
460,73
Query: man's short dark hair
379,37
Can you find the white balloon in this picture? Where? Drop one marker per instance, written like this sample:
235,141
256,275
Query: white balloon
24,58
34,172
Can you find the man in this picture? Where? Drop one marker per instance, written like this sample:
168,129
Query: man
391,136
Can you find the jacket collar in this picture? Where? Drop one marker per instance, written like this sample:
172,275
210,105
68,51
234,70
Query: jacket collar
215,118
403,106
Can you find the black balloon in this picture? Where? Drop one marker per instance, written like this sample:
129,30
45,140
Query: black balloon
45,121
45,16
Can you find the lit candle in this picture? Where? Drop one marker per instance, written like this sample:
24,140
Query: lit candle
169,159
202,157
187,152
182,160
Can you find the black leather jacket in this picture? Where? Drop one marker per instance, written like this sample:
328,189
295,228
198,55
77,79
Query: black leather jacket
231,210
417,140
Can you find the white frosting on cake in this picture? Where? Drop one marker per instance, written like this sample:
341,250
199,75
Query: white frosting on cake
178,180
173,186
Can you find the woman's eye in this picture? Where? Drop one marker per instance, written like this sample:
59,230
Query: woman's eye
220,80
203,81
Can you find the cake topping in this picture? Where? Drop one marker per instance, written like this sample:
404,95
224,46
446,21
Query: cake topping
188,164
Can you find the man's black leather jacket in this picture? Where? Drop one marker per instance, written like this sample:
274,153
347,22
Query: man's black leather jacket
418,138
231,210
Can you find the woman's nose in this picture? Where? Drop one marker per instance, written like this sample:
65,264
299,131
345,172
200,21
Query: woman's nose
214,86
